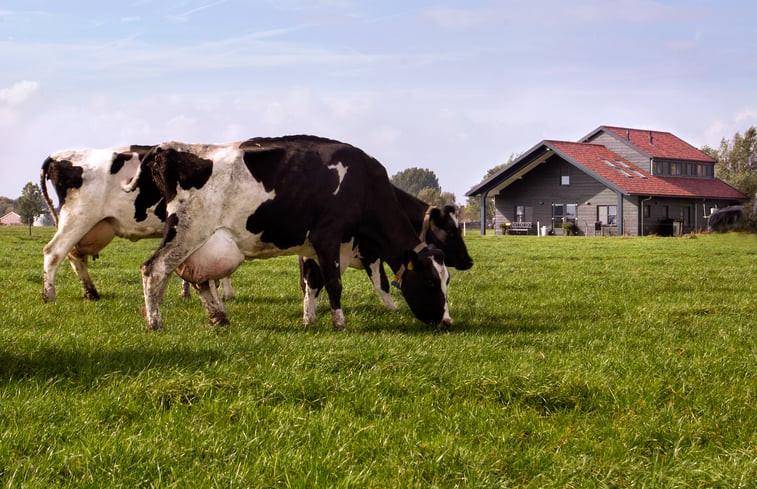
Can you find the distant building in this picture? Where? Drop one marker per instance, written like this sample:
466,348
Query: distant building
11,219
615,180
44,219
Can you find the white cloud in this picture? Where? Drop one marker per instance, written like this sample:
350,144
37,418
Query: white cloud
18,93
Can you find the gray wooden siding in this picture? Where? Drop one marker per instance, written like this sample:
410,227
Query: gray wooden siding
541,188
691,212
621,148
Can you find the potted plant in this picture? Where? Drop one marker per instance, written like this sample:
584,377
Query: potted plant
569,228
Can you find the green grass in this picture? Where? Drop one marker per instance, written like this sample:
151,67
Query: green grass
572,362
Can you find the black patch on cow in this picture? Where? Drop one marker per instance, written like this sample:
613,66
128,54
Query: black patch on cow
300,177
170,231
148,196
140,149
64,176
118,161
160,210
265,164
187,170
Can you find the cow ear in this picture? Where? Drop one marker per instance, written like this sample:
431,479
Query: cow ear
435,216
449,209
411,260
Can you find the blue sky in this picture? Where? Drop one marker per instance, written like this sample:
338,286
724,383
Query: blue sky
454,86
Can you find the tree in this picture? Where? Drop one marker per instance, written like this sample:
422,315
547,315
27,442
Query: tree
6,205
30,205
436,197
737,161
737,165
413,180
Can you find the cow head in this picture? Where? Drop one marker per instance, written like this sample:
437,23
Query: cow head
424,285
444,233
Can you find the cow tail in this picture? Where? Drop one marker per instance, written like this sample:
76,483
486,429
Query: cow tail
133,183
43,186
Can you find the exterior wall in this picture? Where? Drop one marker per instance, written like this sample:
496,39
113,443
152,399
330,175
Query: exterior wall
620,148
10,219
690,213
541,188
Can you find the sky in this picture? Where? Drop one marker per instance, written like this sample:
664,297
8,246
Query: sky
453,86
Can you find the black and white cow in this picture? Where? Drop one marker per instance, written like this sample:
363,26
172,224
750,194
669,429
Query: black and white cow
94,208
435,226
726,219
293,195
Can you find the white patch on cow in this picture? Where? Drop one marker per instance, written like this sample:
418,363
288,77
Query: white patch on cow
441,269
310,303
347,254
337,316
386,297
341,171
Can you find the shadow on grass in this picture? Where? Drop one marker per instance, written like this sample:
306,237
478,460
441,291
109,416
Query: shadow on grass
86,366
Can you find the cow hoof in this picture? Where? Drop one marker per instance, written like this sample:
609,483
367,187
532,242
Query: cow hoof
91,295
153,328
219,319
47,298
337,317
445,325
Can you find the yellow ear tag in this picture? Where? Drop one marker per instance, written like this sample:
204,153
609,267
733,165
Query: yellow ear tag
432,223
410,265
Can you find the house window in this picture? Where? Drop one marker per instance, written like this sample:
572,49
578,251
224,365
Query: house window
563,213
675,169
608,214
520,213
659,168
564,176
570,212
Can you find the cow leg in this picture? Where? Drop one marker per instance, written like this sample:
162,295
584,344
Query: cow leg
332,281
375,271
53,256
311,282
186,289
228,292
155,274
56,251
208,294
79,264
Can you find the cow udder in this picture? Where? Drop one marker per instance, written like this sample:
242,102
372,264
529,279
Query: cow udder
214,260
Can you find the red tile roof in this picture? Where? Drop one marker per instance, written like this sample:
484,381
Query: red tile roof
630,179
659,144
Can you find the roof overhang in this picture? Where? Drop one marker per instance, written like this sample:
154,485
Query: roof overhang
512,172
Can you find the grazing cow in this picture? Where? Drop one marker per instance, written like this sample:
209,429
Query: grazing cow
438,227
94,209
726,219
293,195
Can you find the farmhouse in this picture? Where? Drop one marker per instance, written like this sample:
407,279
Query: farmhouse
613,181
10,219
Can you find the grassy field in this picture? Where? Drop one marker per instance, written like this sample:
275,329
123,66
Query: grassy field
572,362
